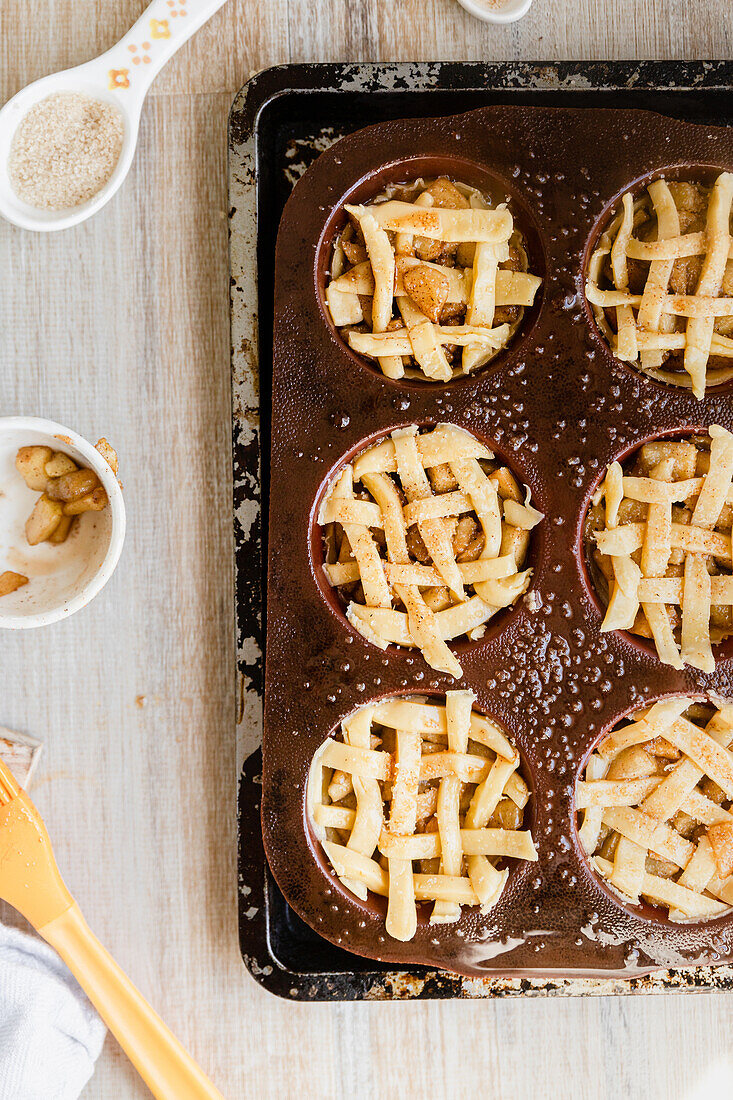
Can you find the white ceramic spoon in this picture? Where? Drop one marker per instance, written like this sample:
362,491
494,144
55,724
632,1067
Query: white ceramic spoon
121,76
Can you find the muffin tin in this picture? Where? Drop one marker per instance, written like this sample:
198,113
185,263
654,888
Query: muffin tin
559,408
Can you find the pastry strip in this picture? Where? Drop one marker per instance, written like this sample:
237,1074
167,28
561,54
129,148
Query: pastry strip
451,226
700,328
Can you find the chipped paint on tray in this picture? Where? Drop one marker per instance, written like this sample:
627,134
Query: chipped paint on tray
300,154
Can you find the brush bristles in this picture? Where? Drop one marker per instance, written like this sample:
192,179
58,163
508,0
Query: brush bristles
9,789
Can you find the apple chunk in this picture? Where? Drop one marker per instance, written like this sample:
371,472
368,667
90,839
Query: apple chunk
60,464
72,486
11,582
43,521
95,501
30,462
62,531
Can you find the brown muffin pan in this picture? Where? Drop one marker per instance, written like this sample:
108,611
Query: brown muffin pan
557,408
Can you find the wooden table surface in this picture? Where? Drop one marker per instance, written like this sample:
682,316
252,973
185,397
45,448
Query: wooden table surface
120,328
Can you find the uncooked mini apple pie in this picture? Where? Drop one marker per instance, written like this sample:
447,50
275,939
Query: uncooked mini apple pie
420,802
662,558
426,535
661,282
656,807
429,280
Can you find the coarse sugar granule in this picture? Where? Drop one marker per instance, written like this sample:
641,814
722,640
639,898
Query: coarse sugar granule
64,150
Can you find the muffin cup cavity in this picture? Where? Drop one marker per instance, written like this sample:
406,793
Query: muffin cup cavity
405,172
591,576
375,904
462,645
643,910
691,172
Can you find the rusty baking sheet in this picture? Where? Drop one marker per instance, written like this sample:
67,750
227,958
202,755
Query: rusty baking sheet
273,138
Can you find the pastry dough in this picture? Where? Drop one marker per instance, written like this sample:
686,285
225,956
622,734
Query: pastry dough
429,281
660,282
663,546
420,802
426,536
655,808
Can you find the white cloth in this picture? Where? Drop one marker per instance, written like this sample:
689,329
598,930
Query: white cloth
50,1036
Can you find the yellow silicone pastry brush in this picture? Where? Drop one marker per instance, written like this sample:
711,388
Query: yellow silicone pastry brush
31,883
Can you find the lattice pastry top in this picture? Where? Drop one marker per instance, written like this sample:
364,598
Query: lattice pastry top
661,282
420,802
429,281
425,538
656,809
662,529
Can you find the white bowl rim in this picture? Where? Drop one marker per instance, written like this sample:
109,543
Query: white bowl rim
512,11
106,475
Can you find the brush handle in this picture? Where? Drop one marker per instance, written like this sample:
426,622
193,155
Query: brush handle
165,1066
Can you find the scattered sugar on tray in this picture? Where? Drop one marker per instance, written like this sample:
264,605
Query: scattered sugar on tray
64,150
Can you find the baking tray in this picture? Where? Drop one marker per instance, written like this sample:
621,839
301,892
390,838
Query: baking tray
276,131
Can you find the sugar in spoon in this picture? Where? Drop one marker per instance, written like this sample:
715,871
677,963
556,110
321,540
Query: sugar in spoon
121,76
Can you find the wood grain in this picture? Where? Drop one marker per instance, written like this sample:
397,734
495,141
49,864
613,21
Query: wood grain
120,327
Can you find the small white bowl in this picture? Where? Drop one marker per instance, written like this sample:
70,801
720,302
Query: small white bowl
506,11
63,578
